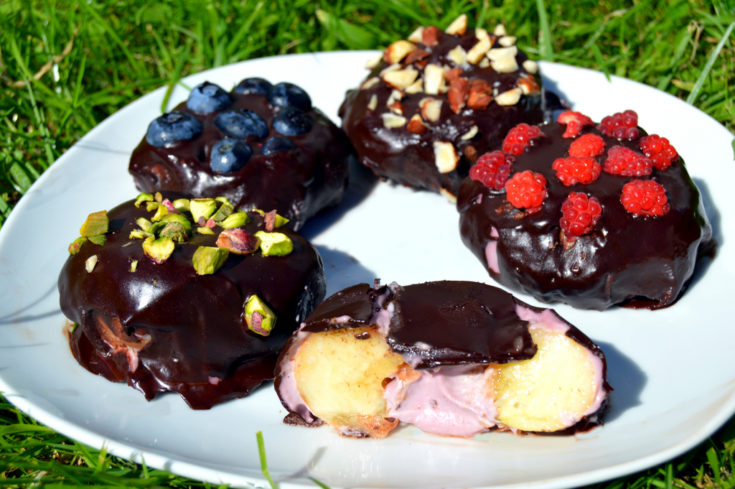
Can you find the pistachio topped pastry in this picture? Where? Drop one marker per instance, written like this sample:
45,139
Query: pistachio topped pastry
187,295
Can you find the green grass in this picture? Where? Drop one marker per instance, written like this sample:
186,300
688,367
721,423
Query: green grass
65,66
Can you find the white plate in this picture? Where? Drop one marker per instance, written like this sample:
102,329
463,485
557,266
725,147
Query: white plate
672,369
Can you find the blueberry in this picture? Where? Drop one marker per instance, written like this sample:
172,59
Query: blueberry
241,123
253,85
275,144
172,127
292,122
229,155
286,94
207,98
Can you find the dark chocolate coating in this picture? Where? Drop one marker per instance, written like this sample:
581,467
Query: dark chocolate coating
199,344
444,323
407,158
297,183
637,261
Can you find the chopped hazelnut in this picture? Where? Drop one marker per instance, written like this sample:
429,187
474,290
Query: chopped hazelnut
433,77
511,97
397,51
445,156
458,26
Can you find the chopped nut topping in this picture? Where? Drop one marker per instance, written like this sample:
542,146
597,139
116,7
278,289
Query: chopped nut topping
481,94
449,195
499,30
76,245
208,259
527,84
401,78
431,35
481,34
158,249
445,156
458,90
274,244
500,53
453,74
392,121
415,87
416,35
470,152
96,223
390,68
469,134
258,317
504,65
373,102
530,66
507,41
477,52
430,109
416,55
369,83
484,63
90,263
396,107
237,241
397,51
416,125
134,266
433,77
458,55
458,26
511,97
373,62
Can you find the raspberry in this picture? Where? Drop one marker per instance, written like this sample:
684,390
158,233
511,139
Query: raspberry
659,150
519,138
574,121
527,190
626,162
492,169
575,169
644,198
621,125
587,145
579,214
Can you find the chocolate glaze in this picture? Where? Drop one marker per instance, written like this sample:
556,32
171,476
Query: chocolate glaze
297,183
637,261
198,344
440,323
407,158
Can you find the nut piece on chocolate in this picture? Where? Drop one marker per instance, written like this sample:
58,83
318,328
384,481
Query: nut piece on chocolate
452,358
260,145
431,104
164,305
593,215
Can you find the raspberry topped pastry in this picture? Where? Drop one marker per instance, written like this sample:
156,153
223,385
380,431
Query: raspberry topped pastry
435,102
187,295
260,145
588,214
452,358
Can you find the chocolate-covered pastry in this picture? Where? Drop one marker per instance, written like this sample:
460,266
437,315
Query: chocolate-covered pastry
452,358
188,296
260,145
591,215
431,104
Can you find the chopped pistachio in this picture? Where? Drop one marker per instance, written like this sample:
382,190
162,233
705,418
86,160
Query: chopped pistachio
133,265
158,249
158,197
96,223
259,211
281,221
260,319
143,197
98,239
139,234
90,263
178,219
175,231
182,205
224,210
223,200
236,220
202,208
274,244
205,230
208,259
151,206
76,245
143,223
237,241
160,212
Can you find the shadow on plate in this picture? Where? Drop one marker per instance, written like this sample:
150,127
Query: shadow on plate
16,317
626,378
343,270
708,255
362,182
